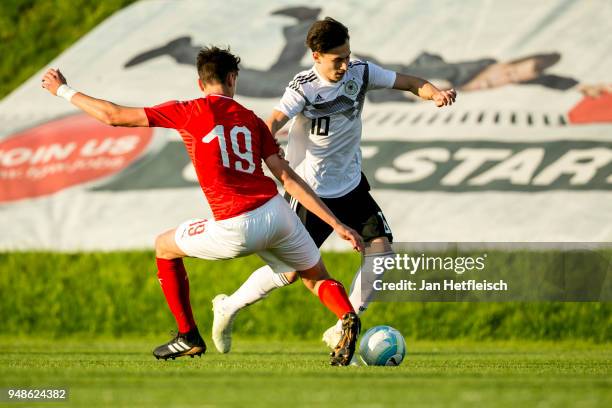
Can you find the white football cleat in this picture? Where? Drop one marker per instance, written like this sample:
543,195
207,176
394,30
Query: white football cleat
331,337
222,325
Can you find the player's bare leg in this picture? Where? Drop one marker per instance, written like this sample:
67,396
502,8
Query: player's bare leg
334,297
175,285
512,72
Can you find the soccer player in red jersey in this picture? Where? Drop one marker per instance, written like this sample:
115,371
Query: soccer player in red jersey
227,143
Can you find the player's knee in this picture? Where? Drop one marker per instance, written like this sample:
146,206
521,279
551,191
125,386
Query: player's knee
379,245
162,249
159,246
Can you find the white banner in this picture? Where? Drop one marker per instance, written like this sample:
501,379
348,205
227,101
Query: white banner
525,154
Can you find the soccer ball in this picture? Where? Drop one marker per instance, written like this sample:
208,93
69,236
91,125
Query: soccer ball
382,346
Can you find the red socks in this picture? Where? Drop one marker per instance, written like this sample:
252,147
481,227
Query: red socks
175,285
333,296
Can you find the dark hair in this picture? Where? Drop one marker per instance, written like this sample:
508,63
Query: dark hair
326,34
215,63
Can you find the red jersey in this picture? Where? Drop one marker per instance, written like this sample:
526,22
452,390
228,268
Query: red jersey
226,143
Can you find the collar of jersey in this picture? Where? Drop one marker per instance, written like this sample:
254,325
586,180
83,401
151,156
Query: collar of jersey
220,96
325,81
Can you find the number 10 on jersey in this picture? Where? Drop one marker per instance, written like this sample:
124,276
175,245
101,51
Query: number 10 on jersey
320,126
246,166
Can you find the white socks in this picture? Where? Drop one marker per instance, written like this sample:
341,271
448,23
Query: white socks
355,293
256,287
361,295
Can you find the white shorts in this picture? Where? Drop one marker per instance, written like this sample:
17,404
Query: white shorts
272,231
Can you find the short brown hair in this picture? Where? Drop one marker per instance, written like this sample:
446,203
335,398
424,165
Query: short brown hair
215,63
326,34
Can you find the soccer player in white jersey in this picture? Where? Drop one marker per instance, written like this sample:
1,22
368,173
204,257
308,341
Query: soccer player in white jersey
325,104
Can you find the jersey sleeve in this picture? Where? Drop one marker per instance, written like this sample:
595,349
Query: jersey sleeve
380,77
269,146
172,114
291,103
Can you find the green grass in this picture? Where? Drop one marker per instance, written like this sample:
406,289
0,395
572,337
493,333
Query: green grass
258,373
33,32
109,294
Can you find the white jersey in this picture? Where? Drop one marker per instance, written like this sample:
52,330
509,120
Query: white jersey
325,134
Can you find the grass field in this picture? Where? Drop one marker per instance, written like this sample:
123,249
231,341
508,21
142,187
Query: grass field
107,294
259,373
90,321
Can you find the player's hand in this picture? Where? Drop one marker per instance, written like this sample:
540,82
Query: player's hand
350,235
281,154
444,98
595,91
52,80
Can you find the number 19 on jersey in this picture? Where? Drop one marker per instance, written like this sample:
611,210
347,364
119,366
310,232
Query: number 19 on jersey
245,163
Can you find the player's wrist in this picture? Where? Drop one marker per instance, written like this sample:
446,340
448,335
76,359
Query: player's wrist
66,92
336,224
433,91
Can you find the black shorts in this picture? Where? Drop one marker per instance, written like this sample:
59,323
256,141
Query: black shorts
357,209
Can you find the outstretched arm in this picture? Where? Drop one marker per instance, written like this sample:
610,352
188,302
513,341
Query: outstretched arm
299,190
424,89
105,111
